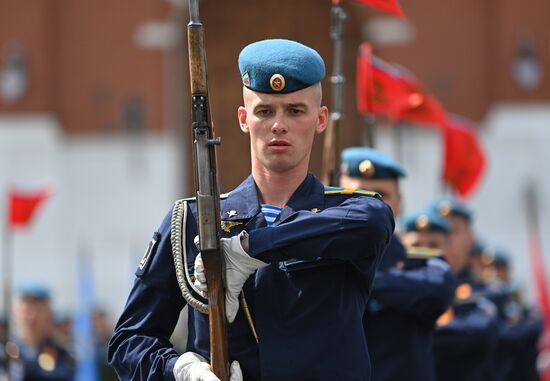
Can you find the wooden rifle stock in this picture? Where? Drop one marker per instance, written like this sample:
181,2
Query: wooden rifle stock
207,192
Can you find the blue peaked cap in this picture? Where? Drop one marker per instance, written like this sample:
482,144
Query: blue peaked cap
451,206
33,289
369,163
279,66
426,221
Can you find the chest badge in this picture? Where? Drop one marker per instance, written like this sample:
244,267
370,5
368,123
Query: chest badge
232,213
227,225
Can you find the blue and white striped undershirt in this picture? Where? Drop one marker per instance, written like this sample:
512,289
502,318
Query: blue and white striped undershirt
270,212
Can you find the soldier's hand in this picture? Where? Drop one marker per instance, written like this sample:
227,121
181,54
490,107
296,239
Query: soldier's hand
238,267
191,366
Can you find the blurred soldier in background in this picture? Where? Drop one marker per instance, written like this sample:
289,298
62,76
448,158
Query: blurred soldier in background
102,335
35,354
466,334
520,326
405,302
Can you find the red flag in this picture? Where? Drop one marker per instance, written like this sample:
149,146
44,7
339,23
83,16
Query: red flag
464,156
384,88
23,205
390,6
364,79
424,109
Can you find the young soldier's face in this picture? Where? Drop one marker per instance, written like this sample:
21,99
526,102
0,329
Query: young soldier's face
461,242
282,127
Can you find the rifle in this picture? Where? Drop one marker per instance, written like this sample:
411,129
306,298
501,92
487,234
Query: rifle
330,165
208,197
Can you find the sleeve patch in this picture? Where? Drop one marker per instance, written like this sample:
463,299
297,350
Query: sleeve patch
148,255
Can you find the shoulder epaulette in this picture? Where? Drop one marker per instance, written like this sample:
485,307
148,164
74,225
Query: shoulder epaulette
350,191
423,253
223,196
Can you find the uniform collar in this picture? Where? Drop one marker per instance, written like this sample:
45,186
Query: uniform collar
310,195
243,203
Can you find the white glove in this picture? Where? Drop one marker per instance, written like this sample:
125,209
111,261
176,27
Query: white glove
238,267
193,367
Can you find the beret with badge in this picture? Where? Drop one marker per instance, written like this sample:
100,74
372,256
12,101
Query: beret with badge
451,206
279,66
369,163
426,221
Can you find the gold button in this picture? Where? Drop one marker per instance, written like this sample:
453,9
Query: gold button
277,82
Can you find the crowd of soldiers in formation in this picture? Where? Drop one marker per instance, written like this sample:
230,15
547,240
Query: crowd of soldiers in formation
445,292
40,344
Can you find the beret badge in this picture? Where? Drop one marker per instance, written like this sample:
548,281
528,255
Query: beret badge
445,208
366,167
277,82
422,223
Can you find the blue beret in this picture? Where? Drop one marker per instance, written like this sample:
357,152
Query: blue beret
33,289
492,254
280,66
426,221
451,206
369,163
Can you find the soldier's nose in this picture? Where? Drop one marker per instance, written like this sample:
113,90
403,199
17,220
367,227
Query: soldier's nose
278,128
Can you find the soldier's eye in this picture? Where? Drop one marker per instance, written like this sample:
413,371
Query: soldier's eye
263,112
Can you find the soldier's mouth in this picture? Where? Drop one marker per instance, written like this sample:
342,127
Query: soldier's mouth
279,143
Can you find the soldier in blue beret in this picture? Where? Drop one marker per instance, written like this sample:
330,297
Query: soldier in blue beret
466,335
303,255
34,353
408,293
520,326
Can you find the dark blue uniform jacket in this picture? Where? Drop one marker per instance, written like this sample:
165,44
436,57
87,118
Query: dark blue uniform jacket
307,304
401,315
464,348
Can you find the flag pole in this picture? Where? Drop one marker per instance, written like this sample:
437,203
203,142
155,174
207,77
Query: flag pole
7,265
538,268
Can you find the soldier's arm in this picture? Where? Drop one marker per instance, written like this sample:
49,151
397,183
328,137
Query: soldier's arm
472,333
140,346
424,292
359,227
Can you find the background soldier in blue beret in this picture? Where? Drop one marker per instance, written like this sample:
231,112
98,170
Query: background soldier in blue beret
519,326
35,355
466,335
408,294
303,255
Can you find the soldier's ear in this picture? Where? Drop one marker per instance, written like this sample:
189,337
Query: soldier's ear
322,119
241,115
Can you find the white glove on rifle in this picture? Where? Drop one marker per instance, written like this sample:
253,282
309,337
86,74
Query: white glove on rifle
193,367
238,267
